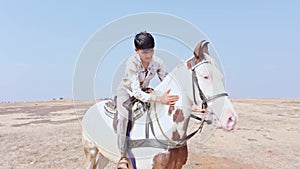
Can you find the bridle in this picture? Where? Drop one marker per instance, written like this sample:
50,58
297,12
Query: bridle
169,143
195,81
204,106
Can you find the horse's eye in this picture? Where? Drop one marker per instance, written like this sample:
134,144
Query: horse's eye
206,77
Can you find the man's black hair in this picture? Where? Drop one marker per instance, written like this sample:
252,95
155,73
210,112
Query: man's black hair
144,40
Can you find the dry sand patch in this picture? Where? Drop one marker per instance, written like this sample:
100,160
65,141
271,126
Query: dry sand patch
48,135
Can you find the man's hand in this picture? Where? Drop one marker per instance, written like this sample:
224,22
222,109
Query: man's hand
169,99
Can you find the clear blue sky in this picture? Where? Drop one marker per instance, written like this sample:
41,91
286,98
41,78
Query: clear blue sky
257,42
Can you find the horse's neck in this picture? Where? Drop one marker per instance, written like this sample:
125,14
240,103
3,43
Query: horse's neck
175,118
179,81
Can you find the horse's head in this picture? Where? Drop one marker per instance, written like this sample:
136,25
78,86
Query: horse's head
209,93
199,86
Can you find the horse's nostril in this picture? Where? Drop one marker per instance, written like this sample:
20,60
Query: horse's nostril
208,121
230,122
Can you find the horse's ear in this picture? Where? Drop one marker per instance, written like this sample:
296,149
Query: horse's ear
197,50
205,48
201,48
201,42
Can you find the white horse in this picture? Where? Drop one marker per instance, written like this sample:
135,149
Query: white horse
158,138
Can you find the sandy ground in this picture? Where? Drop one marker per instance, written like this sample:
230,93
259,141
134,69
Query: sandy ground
48,135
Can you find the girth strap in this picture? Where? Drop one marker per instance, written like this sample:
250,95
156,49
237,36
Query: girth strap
164,144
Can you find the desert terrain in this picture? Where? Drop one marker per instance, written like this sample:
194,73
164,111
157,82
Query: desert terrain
47,134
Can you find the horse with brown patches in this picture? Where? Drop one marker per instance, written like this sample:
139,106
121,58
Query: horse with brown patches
159,137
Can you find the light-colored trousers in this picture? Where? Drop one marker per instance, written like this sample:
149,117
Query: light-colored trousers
122,96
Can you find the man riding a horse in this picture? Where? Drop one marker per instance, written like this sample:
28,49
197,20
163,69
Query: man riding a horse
140,69
158,138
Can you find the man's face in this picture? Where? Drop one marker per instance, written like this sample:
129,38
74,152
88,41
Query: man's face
145,55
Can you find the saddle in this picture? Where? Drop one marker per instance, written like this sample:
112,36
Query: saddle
135,106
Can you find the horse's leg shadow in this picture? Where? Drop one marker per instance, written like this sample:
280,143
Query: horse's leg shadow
101,161
95,160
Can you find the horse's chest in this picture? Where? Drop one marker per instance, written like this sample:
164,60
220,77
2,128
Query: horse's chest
174,158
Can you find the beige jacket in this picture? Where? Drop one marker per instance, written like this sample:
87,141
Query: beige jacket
137,77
